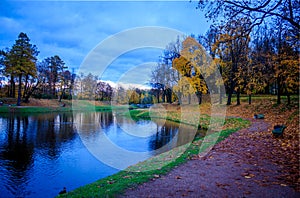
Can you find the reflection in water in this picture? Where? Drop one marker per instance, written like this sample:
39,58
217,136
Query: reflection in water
42,153
21,137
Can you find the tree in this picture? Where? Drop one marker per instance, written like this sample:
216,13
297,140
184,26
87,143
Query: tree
56,67
20,61
286,66
120,95
275,62
261,69
89,84
132,97
208,41
274,52
185,88
66,82
164,77
232,47
258,11
192,64
103,91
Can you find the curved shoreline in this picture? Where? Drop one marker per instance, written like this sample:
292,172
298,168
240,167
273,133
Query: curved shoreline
117,183
236,167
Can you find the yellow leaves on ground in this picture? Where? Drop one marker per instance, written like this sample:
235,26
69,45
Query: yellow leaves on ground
281,151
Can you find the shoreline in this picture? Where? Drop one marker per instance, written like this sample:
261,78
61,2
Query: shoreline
40,109
136,174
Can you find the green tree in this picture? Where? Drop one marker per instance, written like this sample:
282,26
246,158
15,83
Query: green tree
21,61
89,84
56,68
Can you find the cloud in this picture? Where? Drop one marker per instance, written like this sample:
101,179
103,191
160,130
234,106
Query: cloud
73,29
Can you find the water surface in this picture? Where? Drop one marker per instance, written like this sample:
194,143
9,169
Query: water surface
42,153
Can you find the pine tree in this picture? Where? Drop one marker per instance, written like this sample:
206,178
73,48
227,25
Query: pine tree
21,60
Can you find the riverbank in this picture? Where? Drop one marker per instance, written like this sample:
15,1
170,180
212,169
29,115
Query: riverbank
154,167
161,164
32,109
46,106
282,152
239,166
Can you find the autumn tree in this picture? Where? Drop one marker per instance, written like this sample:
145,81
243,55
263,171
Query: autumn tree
232,47
192,64
275,62
214,72
185,88
275,56
286,63
132,96
89,84
20,62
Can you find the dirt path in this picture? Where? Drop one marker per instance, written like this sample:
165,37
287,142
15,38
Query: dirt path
239,166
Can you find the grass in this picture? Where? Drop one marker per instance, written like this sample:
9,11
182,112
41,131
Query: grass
29,109
157,165
15,109
244,98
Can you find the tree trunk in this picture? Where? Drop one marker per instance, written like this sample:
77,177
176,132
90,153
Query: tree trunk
189,98
157,96
19,90
221,95
169,95
53,90
278,91
199,97
289,98
63,93
230,93
249,99
267,88
229,98
238,98
25,86
11,89
179,97
13,94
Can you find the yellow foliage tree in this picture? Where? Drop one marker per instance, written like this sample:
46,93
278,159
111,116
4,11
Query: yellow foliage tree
191,65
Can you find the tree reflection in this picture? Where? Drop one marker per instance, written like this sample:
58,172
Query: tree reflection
27,138
163,136
171,133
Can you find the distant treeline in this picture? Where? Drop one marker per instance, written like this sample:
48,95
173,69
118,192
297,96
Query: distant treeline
254,49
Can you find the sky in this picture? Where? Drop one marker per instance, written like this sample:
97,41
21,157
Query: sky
74,30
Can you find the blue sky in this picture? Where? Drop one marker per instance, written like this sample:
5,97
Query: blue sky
72,29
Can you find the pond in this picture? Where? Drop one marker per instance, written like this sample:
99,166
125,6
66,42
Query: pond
42,153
